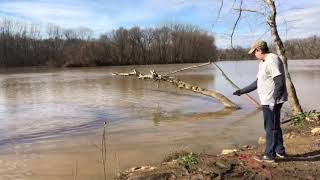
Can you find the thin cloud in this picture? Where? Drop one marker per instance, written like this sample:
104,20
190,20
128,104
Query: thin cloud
103,16
64,14
302,22
296,19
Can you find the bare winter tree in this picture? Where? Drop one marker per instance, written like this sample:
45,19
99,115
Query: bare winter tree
270,15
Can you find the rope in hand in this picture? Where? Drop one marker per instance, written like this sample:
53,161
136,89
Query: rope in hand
245,158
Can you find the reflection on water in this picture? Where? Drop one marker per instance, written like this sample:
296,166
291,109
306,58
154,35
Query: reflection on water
162,116
51,119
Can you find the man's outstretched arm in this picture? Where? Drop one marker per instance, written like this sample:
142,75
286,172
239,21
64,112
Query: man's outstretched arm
247,89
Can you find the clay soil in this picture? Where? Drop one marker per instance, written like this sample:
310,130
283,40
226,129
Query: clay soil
302,162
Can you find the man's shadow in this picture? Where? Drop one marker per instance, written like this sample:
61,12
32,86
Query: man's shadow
310,156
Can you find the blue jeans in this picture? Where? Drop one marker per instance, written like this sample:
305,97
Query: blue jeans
274,139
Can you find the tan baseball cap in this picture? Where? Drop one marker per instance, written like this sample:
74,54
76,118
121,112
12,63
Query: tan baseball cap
257,44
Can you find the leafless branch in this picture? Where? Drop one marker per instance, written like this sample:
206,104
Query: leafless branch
286,24
190,67
219,12
252,100
265,32
250,10
235,25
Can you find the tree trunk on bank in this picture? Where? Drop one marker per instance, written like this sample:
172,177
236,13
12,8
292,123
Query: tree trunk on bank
292,95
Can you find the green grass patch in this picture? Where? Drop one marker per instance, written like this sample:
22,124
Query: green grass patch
188,159
300,118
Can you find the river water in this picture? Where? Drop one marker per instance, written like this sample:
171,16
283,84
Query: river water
51,120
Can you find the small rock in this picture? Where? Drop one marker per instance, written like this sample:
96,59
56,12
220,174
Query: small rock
134,169
206,172
171,163
288,136
221,164
309,119
245,146
315,131
248,147
261,141
142,168
173,176
219,176
311,178
196,177
188,86
292,136
155,175
228,151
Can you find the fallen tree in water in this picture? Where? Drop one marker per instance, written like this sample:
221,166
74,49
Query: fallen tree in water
183,85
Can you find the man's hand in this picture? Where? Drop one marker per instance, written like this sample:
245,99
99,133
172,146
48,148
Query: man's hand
271,107
237,92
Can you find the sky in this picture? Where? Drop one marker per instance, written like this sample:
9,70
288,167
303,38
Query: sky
296,18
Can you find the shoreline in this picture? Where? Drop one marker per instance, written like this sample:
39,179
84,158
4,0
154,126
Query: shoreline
302,144
120,65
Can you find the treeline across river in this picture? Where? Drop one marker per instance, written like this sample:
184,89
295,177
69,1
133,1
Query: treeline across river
302,48
27,44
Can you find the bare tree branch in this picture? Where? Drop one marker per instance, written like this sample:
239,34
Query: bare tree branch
179,70
276,40
252,100
250,10
219,12
265,32
235,25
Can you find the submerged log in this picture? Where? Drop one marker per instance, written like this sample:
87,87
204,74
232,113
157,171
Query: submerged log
183,85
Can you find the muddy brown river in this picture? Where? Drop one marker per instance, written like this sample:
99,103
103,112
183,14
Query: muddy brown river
51,120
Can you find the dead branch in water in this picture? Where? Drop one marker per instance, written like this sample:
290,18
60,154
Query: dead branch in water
179,70
251,99
180,84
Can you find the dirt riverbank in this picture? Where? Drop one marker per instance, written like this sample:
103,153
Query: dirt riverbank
302,162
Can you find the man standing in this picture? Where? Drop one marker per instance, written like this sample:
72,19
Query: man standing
272,92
